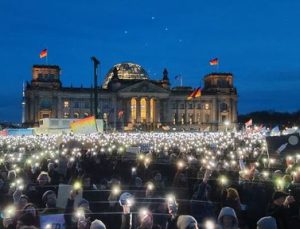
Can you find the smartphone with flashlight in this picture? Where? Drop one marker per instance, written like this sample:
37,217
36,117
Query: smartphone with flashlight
77,186
80,215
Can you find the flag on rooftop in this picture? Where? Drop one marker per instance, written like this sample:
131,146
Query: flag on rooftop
44,53
196,93
214,61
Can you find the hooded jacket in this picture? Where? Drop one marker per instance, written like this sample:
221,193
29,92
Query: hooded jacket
227,211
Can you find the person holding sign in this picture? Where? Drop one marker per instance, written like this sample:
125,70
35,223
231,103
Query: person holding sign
78,217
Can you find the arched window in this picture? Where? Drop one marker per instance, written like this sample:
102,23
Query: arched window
223,107
133,109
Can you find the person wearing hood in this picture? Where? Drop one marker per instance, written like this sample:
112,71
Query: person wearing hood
267,222
97,224
186,222
227,219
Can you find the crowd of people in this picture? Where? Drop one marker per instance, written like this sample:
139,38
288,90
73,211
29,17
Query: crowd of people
175,180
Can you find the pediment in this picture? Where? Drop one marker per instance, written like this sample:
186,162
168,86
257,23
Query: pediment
144,87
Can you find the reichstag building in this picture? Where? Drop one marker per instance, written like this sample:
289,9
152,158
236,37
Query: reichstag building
129,99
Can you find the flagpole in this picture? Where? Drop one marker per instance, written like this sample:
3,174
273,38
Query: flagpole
47,57
180,81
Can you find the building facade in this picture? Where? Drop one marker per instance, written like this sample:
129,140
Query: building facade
129,99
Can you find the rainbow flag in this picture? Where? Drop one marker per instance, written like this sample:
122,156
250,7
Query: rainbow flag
84,126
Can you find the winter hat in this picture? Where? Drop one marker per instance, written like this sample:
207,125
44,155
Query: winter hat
97,224
49,192
267,222
184,221
83,201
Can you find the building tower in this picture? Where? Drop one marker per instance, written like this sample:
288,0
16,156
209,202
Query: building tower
219,86
165,80
23,104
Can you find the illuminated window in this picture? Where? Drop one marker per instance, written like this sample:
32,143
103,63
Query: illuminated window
206,106
133,109
143,110
152,109
66,104
46,115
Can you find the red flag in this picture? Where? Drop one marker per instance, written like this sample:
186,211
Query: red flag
120,114
248,123
43,53
214,61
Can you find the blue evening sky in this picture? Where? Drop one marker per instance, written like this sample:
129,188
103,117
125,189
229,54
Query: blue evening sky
256,40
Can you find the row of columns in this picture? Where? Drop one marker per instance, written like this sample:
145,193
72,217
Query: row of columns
154,118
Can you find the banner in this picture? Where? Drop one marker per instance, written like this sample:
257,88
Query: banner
284,144
63,195
16,132
84,126
56,221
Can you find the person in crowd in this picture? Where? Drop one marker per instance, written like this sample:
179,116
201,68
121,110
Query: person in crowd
267,222
26,219
72,215
279,208
36,191
227,219
49,199
53,174
32,209
97,224
201,205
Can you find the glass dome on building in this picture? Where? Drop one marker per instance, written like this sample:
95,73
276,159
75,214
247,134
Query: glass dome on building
126,71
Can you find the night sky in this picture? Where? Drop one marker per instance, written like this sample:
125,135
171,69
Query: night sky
256,40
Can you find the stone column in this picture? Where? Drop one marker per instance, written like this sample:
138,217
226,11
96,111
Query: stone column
186,113
138,110
128,111
234,111
157,111
114,105
148,110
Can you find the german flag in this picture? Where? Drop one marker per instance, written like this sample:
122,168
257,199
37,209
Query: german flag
196,93
214,61
43,53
